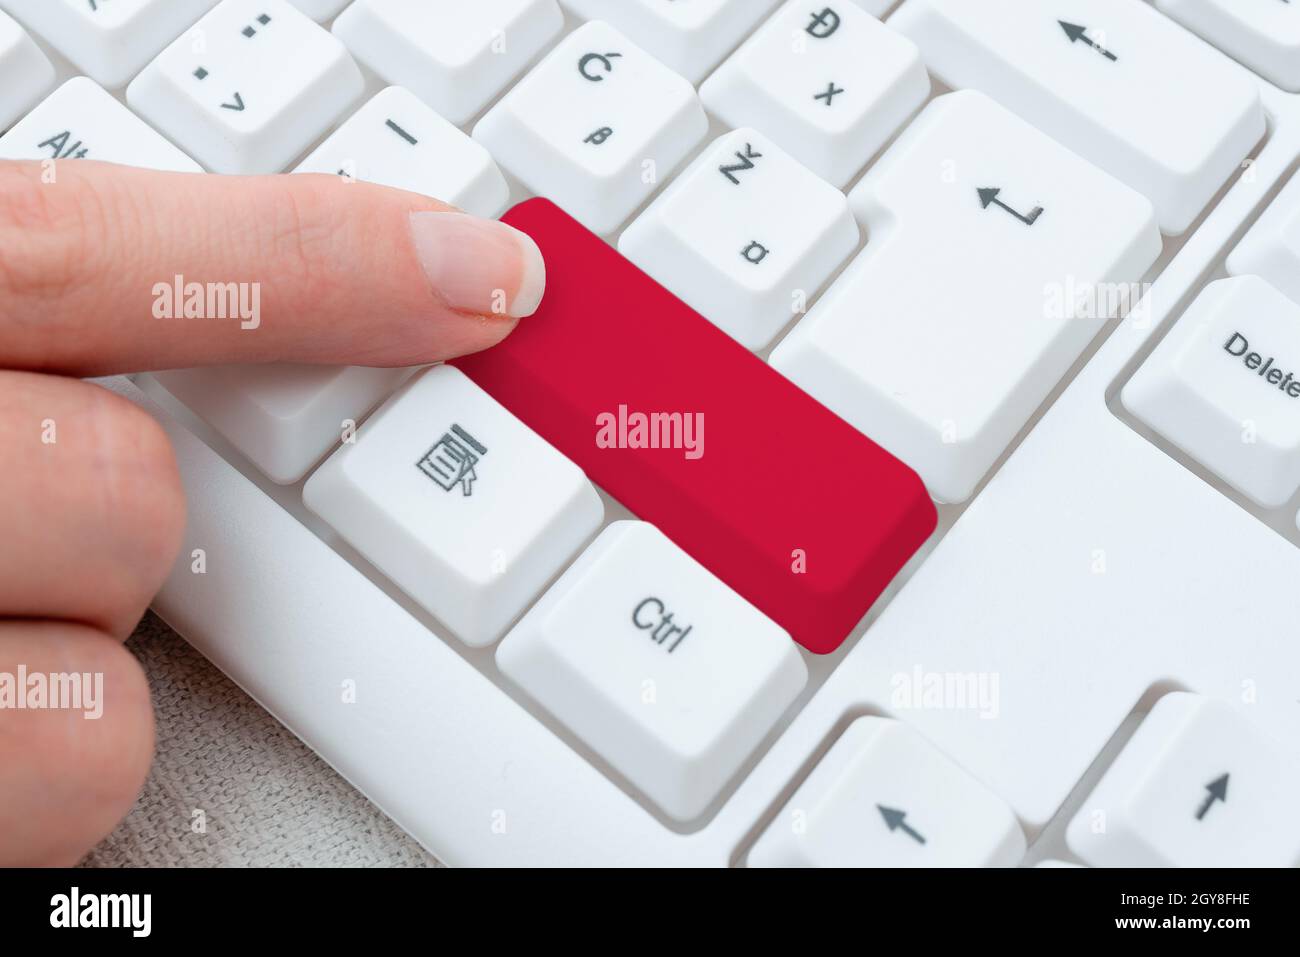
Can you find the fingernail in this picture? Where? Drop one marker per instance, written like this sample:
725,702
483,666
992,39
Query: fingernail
479,265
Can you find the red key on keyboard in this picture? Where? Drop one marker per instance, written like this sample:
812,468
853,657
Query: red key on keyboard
785,502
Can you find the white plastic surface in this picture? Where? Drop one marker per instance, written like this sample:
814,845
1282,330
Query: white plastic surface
458,502
454,56
80,120
883,797
108,40
655,663
745,236
596,126
943,372
829,83
263,83
1198,785
1113,80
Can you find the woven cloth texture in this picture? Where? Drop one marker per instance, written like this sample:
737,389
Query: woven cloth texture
266,799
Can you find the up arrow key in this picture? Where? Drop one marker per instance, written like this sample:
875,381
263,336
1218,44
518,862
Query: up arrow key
1078,34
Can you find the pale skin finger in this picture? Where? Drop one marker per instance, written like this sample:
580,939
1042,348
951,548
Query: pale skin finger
336,272
92,506
69,774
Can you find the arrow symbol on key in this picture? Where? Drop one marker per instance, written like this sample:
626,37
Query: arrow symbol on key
896,820
1078,34
1218,791
237,106
989,197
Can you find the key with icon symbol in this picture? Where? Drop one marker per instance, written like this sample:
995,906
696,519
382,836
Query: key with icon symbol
451,461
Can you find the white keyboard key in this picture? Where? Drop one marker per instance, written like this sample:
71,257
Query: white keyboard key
80,121
1113,80
1271,249
658,666
26,73
830,83
1224,386
395,140
746,236
688,38
249,87
1263,34
283,418
320,10
458,502
884,797
109,40
595,127
877,8
1198,785
992,259
454,56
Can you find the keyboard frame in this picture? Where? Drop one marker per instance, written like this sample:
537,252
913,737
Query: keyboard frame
455,744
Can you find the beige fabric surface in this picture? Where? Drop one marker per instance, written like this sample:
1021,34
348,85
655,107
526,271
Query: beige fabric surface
266,799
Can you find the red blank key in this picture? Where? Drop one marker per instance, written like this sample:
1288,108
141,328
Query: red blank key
785,502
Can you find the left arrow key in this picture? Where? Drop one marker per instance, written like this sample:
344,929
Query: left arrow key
858,806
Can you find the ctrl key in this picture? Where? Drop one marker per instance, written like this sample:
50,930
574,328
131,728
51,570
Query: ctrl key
655,664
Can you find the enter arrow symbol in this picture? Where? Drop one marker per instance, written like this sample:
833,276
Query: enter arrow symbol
1218,791
896,820
1078,34
989,197
237,106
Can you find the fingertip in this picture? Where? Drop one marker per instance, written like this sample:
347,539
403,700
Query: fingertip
478,266
532,283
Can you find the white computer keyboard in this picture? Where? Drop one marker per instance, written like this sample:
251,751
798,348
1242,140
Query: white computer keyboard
928,216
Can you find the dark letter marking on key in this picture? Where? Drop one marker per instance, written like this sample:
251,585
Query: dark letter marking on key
250,31
402,133
746,163
659,622
896,820
989,197
606,60
823,24
452,462
59,144
1217,791
1078,34
237,106
832,91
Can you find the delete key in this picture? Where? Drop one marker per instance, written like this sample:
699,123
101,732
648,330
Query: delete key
1224,386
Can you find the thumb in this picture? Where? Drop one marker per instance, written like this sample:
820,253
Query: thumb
111,269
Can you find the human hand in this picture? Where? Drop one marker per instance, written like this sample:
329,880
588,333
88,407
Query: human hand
91,506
